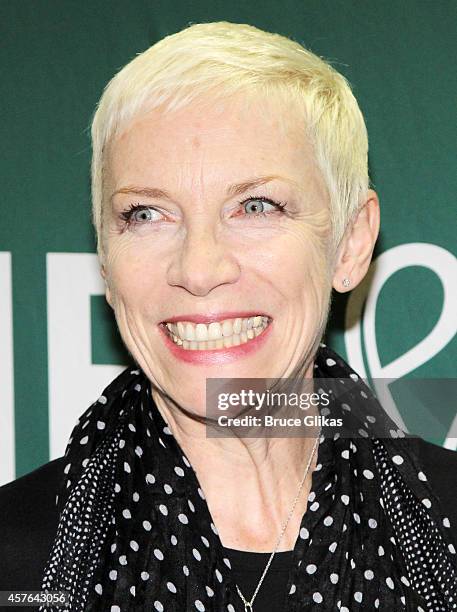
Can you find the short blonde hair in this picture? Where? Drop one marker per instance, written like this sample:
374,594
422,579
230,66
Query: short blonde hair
223,58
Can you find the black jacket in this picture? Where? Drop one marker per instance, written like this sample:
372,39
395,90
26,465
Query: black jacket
28,515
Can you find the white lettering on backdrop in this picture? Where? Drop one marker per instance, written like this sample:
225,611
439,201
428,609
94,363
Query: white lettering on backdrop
444,265
7,458
71,279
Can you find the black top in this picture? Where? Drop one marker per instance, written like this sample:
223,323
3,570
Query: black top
247,569
28,523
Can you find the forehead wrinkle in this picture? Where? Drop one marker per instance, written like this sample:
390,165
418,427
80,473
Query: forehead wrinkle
196,143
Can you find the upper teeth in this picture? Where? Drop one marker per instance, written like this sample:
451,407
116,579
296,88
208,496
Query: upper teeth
200,332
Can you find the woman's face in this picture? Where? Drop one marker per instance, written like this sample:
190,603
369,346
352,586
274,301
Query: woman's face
209,250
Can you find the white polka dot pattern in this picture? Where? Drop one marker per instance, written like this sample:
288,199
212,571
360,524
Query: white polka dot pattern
135,531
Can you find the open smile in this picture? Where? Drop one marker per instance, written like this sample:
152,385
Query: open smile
216,341
217,334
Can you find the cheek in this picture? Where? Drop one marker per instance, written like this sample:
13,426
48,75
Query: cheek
299,264
132,278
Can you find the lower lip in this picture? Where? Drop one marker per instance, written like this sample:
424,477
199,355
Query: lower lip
217,356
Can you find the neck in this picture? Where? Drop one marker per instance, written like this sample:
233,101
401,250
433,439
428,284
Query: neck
249,483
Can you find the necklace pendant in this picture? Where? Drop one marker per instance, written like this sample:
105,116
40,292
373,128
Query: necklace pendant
248,606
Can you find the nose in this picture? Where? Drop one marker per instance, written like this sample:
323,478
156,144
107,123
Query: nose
202,262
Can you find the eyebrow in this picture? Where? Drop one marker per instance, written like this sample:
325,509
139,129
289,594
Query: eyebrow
239,188
235,189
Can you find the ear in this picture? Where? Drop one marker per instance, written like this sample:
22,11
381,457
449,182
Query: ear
107,288
356,247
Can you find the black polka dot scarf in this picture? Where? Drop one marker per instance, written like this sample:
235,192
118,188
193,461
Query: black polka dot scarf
135,532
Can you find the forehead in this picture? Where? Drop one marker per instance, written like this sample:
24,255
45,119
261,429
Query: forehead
206,144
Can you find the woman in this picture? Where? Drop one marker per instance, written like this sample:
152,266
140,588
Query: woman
230,194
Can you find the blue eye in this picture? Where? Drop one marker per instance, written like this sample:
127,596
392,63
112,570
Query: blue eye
257,206
140,214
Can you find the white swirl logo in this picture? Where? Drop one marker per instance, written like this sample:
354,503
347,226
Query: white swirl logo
444,265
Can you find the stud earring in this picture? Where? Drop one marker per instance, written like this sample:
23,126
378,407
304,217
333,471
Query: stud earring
346,282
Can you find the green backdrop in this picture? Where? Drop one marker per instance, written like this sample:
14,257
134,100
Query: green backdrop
56,58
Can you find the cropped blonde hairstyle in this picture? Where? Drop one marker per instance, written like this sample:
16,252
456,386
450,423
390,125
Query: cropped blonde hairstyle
220,59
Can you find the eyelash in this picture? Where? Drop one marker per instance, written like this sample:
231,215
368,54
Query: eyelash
127,214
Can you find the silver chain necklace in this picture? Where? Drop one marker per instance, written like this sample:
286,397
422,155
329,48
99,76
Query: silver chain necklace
248,604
